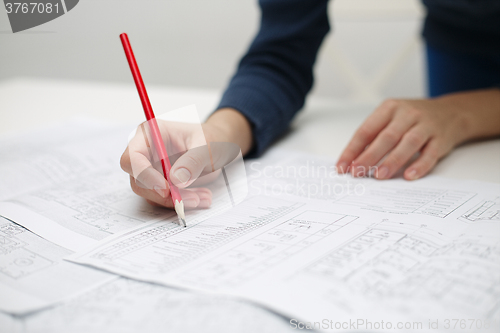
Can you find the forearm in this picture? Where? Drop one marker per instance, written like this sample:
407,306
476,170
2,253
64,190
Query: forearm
229,125
479,110
275,75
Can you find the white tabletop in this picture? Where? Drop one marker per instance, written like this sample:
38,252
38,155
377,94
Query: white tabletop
324,127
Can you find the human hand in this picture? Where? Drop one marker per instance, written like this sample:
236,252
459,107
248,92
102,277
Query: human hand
194,152
398,129
146,177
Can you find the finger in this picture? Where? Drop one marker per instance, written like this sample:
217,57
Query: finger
223,153
411,143
152,179
386,140
138,154
152,203
191,198
125,162
365,134
206,179
136,161
199,197
150,194
189,166
430,155
205,196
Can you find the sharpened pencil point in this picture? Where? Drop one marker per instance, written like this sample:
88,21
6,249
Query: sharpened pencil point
179,209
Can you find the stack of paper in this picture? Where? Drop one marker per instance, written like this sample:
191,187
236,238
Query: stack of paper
325,250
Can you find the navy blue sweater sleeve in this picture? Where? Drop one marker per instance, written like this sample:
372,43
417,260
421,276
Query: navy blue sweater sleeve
275,75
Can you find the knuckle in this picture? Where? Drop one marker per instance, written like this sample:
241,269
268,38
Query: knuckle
413,139
390,103
125,160
413,113
363,132
432,154
395,160
194,160
134,186
367,158
165,202
391,136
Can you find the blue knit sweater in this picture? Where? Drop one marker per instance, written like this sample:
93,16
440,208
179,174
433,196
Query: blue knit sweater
275,75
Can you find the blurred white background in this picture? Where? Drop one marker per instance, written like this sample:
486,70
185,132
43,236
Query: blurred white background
374,50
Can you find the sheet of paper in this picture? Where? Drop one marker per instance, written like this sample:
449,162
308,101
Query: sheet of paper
81,212
33,274
65,186
10,324
360,253
129,306
79,194
56,154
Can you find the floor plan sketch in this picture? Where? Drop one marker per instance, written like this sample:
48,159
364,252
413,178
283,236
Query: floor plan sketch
391,267
77,214
168,246
129,306
487,210
406,199
33,273
96,206
48,157
267,249
16,260
420,250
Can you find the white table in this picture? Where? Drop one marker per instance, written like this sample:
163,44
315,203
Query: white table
324,127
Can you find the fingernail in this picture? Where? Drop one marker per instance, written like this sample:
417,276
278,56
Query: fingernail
411,174
190,203
160,191
382,172
342,168
183,175
204,203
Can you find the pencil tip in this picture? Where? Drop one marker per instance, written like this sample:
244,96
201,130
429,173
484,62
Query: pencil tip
179,209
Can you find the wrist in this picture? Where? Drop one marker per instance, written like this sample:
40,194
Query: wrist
229,125
476,113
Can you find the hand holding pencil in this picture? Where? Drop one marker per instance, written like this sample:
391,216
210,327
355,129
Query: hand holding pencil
162,188
196,153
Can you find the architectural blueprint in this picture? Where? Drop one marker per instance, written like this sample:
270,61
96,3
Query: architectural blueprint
486,210
91,208
33,273
65,185
307,243
57,154
128,306
169,247
396,250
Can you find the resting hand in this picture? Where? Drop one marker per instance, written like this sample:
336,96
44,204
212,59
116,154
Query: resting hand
398,129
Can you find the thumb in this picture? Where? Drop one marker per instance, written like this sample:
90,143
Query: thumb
189,166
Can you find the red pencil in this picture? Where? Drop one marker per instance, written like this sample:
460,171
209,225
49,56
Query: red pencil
155,131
